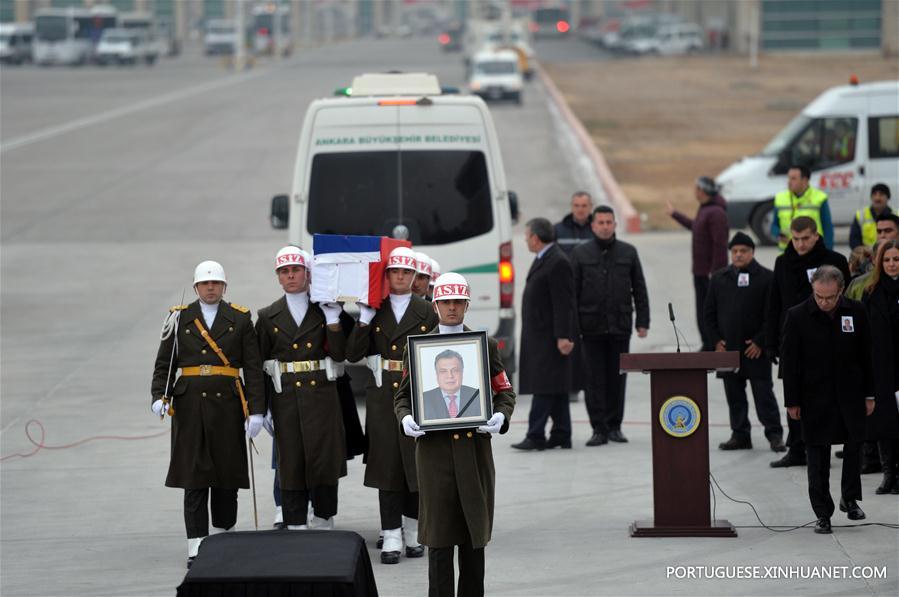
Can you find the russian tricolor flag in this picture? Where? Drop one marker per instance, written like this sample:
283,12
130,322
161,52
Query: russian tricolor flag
350,269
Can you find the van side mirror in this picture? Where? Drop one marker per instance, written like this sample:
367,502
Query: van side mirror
513,206
280,211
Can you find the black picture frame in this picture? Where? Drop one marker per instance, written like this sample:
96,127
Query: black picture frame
474,399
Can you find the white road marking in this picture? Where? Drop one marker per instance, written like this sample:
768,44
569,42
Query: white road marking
55,131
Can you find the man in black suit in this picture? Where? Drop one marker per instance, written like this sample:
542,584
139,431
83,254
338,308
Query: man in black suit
829,387
547,339
450,399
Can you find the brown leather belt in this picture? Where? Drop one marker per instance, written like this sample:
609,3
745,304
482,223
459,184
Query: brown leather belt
204,370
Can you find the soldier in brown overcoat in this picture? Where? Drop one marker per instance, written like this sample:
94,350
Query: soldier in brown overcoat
299,342
209,415
391,455
456,477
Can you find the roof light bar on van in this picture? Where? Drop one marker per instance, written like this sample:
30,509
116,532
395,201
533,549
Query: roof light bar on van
397,102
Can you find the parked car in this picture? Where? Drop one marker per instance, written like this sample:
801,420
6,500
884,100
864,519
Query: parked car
15,42
124,46
669,40
220,38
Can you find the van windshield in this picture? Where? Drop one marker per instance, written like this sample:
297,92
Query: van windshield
496,67
445,195
51,28
781,139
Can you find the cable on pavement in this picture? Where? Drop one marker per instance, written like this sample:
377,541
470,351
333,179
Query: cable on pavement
713,483
40,445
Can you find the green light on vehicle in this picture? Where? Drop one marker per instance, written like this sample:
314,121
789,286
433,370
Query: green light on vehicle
344,91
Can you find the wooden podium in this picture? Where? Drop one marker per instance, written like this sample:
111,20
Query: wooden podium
680,442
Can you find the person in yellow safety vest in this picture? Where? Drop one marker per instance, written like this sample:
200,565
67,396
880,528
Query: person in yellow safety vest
864,226
800,199
843,146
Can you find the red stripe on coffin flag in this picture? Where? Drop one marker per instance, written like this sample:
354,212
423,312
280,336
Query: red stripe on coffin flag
377,281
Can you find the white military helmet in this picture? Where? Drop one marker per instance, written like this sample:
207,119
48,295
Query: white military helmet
435,271
424,264
291,255
451,286
402,258
209,271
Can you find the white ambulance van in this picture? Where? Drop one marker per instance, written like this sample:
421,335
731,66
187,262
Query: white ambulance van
399,158
849,139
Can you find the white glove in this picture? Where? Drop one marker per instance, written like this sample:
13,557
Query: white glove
158,408
268,424
332,312
253,425
494,424
411,428
366,313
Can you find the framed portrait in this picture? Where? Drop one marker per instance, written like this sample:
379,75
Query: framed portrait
450,380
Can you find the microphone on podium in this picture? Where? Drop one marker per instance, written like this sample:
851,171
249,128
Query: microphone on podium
671,316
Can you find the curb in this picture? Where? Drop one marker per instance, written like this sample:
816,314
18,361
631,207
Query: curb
613,190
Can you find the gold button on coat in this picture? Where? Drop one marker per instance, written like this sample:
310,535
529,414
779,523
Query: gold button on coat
378,329
186,331
396,384
299,384
424,328
230,329
312,383
203,394
308,344
276,329
296,346
455,436
393,347
203,351
218,394
468,434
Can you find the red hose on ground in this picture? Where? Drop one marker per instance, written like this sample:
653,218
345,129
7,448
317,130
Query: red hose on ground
40,445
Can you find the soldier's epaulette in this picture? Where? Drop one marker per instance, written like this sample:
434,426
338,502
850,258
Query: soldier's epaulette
240,308
177,308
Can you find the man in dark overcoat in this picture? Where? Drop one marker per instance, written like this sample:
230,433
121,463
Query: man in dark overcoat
735,320
792,285
829,388
210,408
547,339
456,476
390,466
299,342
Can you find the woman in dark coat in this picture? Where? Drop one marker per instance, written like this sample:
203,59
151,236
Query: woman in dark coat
882,301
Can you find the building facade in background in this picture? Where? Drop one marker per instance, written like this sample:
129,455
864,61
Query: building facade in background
777,25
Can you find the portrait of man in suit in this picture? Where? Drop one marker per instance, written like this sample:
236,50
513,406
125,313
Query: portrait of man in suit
450,399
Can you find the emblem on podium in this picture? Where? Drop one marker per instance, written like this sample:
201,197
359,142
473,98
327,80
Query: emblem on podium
679,416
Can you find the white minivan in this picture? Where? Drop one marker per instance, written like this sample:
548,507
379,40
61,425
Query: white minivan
495,75
397,157
849,139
